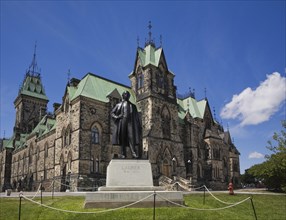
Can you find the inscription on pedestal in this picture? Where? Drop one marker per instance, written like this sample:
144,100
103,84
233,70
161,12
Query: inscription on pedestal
121,173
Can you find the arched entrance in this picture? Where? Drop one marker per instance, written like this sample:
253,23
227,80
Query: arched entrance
166,168
63,178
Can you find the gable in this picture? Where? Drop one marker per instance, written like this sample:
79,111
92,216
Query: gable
99,88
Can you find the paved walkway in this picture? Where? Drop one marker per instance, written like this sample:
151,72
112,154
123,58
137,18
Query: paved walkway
239,191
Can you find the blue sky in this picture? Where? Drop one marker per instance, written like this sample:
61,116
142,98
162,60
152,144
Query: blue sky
236,50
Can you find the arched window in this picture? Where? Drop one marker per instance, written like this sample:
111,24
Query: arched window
160,79
69,162
68,136
46,150
24,163
140,80
38,153
94,135
166,123
63,137
199,171
18,165
31,154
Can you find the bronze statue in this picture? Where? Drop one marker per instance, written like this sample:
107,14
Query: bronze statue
127,126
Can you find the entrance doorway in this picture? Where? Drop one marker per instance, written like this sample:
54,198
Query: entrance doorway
166,168
63,178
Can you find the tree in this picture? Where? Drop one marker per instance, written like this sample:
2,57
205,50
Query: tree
273,170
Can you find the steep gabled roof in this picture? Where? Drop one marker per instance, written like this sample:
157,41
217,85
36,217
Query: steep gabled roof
191,105
32,86
46,125
150,55
98,88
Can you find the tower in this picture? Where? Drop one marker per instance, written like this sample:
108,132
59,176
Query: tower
153,85
31,102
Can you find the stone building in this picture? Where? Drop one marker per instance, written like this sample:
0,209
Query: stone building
70,148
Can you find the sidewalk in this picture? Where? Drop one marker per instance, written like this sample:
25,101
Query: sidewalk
31,194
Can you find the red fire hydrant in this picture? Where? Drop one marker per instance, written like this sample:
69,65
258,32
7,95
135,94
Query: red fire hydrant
230,188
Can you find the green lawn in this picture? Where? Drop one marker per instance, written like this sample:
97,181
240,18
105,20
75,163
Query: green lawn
266,206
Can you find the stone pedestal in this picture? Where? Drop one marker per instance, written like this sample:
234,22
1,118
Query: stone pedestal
128,181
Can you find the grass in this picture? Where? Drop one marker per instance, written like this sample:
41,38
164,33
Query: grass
266,206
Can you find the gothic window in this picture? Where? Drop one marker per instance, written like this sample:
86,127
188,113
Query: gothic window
46,150
235,166
166,123
18,165
96,165
94,135
31,154
199,171
23,165
68,136
140,80
216,154
94,168
63,137
160,80
38,153
69,162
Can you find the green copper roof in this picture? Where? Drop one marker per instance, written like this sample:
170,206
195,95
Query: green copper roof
8,143
98,88
45,125
18,143
22,142
149,55
194,107
32,86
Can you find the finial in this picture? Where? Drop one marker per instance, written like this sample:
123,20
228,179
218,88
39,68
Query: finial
214,113
227,126
4,135
150,33
150,41
33,68
69,74
161,40
205,90
137,41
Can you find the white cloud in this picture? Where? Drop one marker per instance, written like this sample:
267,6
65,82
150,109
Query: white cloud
252,107
255,155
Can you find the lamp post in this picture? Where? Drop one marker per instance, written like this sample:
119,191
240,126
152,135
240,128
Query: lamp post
22,183
41,188
189,162
174,165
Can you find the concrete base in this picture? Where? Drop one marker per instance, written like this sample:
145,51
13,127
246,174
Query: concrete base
115,199
131,188
129,181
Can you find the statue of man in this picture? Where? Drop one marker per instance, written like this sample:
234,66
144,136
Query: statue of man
127,126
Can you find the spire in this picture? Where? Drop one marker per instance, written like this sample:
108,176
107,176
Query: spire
137,41
69,75
205,90
33,68
150,41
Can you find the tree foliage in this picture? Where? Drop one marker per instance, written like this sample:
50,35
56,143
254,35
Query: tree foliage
273,171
